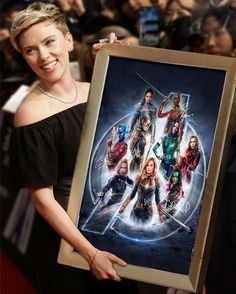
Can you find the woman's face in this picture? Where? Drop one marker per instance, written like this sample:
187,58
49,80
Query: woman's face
175,128
176,100
45,49
176,10
193,143
150,167
123,169
217,40
148,98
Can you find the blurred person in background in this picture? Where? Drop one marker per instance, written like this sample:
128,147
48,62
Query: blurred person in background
12,65
176,22
129,13
232,4
218,30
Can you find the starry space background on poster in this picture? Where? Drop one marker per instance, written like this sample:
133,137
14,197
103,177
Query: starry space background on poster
167,246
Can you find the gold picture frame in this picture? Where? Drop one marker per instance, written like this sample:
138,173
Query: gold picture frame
173,252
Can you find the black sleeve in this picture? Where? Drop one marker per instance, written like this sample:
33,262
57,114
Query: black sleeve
108,186
33,157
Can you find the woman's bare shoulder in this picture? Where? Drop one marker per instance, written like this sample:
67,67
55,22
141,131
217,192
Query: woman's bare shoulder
31,110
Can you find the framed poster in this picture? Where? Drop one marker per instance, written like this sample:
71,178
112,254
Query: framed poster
150,162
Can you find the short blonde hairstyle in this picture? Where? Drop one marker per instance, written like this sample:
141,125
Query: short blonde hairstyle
35,13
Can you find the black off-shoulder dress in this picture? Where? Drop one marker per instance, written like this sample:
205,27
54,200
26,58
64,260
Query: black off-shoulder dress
43,154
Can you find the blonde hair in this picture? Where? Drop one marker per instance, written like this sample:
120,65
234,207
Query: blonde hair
35,13
120,164
144,172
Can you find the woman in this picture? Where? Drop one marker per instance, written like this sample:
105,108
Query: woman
175,114
145,108
219,38
174,191
146,186
44,146
189,161
176,21
116,185
170,150
116,149
218,30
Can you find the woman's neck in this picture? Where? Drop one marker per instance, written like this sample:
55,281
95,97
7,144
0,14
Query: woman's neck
61,88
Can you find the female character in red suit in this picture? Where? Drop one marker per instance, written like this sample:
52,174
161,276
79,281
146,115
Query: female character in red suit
190,160
146,186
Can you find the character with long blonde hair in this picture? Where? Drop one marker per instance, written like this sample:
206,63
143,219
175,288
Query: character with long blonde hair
146,186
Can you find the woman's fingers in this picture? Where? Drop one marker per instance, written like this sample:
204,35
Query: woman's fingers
112,38
108,274
102,266
116,278
117,260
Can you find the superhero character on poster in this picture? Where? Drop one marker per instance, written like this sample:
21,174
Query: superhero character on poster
155,210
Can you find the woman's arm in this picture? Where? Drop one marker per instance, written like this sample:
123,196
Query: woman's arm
101,262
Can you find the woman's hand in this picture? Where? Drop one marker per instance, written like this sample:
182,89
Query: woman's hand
98,46
102,265
101,262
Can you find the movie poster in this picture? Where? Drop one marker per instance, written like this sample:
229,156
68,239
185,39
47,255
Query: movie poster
149,161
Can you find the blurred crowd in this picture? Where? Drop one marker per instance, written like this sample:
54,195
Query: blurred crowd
189,25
